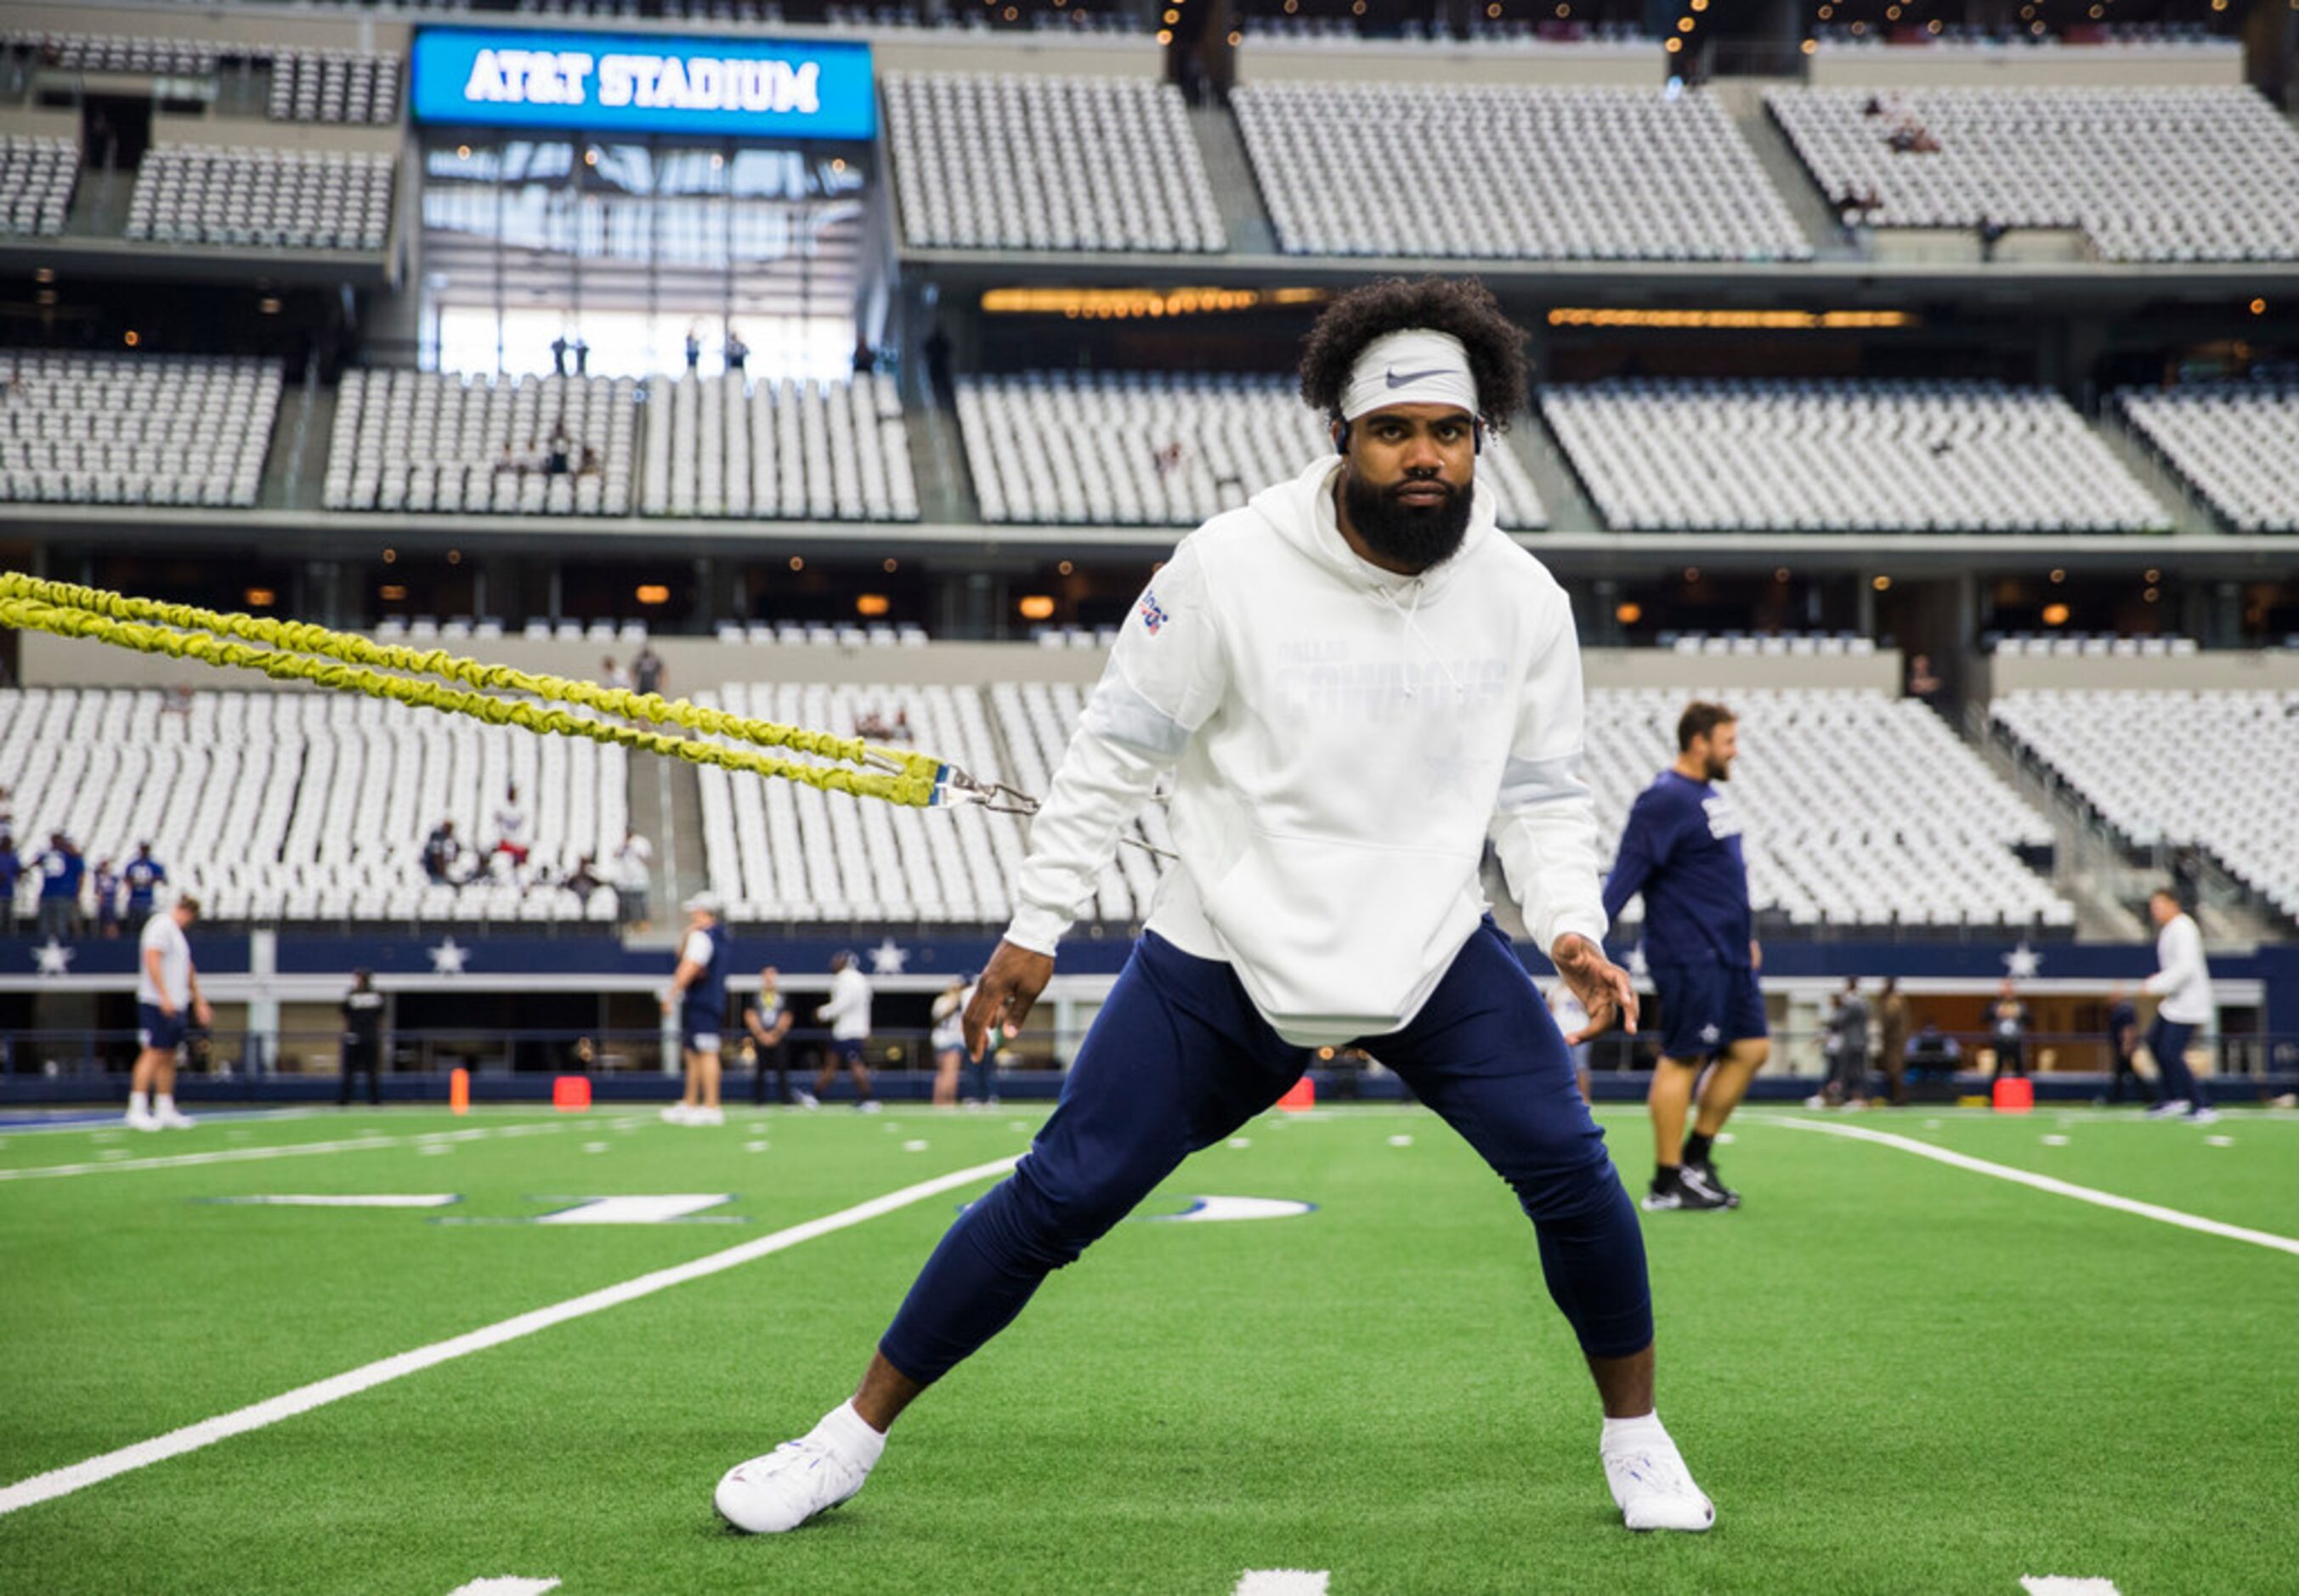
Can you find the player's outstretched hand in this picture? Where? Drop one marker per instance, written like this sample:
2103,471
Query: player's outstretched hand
1005,993
1602,986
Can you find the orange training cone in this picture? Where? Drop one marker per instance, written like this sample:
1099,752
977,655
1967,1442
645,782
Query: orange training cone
2014,1094
571,1093
459,1092
1302,1094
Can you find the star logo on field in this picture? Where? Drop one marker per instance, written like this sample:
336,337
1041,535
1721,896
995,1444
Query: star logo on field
53,958
447,959
2023,962
888,958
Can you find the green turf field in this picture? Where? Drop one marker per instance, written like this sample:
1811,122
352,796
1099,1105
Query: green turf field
1891,1374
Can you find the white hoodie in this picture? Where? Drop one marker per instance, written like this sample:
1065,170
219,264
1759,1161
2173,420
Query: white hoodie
2181,979
848,1007
1346,740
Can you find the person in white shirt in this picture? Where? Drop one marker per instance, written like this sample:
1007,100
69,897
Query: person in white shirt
510,828
698,997
848,1016
949,1042
2182,983
167,994
1356,678
634,872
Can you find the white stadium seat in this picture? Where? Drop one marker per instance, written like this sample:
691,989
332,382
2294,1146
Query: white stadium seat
2237,444
437,442
135,429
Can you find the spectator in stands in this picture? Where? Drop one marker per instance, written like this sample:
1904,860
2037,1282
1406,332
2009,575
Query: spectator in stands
865,359
981,1073
737,350
1169,458
2183,981
614,673
649,674
145,876
583,880
634,872
937,349
362,1043
1921,683
948,1040
167,996
107,887
582,355
698,998
11,870
848,1015
1892,1041
510,828
1991,233
693,346
61,869
441,852
768,1019
2008,1026
559,348
558,455
901,732
2123,1047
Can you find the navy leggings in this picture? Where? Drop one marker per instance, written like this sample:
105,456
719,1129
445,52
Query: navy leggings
2167,1042
1178,1058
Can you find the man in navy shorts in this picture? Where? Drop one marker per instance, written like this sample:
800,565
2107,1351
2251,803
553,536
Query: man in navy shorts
1682,850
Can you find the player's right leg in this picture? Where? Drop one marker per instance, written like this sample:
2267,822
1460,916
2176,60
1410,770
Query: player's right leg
1176,1059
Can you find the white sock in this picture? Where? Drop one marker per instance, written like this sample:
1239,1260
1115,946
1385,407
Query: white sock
167,1104
140,1102
1622,1435
849,1434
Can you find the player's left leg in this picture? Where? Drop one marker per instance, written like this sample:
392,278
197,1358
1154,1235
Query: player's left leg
1486,1055
683,1111
705,1074
163,1096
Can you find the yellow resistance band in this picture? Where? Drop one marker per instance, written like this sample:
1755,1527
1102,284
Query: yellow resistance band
298,651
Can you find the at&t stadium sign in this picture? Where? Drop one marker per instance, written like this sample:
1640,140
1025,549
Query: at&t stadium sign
614,83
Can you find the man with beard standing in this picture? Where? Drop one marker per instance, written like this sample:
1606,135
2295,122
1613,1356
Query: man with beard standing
1682,850
1356,679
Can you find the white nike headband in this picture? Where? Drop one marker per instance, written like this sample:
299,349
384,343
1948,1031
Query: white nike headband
1415,366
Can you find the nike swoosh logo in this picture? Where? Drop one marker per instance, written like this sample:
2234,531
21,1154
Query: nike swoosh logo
1396,380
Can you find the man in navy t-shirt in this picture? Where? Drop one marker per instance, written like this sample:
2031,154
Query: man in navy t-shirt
61,869
1681,851
142,874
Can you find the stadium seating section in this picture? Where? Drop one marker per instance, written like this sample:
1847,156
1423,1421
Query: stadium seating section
432,442
2237,445
1093,163
37,177
1155,449
114,53
119,429
2148,174
1540,174
2216,770
278,199
720,446
308,807
1836,456
334,86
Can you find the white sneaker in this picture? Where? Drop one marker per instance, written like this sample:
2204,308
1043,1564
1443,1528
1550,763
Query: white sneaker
2171,1108
174,1119
786,1487
869,1105
1654,1490
2205,1115
678,1113
706,1117
807,1100
145,1121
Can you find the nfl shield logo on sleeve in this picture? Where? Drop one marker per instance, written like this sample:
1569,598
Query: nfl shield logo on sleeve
1152,616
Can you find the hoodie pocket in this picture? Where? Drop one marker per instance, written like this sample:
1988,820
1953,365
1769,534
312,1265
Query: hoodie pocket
1341,933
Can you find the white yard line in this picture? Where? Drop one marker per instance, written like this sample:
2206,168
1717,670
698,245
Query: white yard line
506,1585
63,1481
2042,1183
242,1155
2056,1584
1283,1581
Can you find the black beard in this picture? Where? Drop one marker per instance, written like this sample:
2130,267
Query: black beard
1718,770
1406,535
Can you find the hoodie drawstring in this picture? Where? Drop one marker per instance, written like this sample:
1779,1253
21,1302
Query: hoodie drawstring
1413,629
